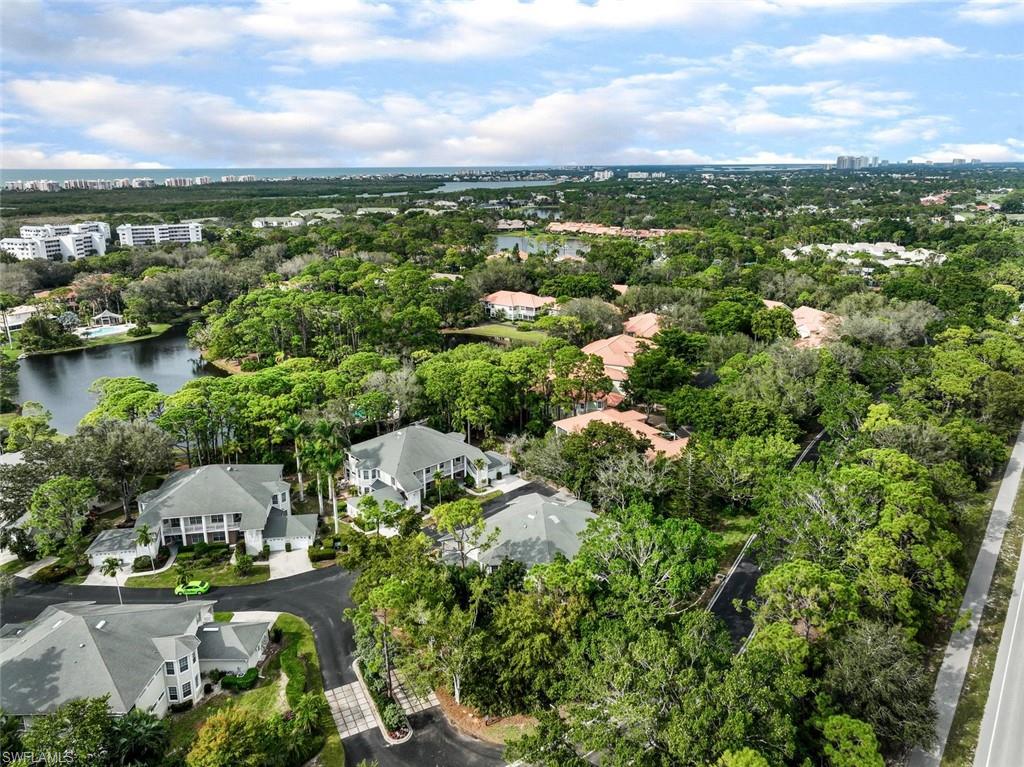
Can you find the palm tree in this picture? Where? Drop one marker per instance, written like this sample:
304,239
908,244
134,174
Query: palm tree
308,716
437,483
332,461
295,428
144,538
480,463
111,568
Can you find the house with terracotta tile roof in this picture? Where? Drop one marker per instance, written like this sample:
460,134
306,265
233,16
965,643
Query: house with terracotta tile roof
617,354
513,305
815,327
645,325
663,442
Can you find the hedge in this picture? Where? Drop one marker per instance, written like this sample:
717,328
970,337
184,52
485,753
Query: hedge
244,682
320,555
53,573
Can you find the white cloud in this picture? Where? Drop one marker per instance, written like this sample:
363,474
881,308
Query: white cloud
833,50
992,11
1011,150
19,156
771,124
915,129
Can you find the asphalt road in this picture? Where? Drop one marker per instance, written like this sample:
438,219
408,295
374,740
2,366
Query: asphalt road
319,597
1001,738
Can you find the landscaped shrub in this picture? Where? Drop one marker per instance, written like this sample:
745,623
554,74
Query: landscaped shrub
319,555
140,330
276,633
207,688
142,563
177,708
393,717
184,555
266,551
53,573
82,568
243,565
287,545
239,548
216,675
238,683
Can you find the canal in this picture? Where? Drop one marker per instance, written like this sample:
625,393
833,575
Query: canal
61,381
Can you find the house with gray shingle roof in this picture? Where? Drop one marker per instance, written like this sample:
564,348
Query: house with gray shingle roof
406,460
142,656
225,503
532,529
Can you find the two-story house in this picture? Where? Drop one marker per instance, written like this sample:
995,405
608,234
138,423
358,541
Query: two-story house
513,305
402,464
219,503
145,657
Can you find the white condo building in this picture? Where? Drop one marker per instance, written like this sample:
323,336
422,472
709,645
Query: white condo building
131,235
58,242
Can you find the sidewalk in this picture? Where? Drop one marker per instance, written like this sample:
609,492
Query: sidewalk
957,658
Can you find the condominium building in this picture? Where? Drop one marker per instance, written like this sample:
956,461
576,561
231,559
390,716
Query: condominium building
58,242
603,175
277,222
132,235
178,181
143,183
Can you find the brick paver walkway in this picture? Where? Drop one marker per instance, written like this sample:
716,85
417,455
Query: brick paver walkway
407,699
350,709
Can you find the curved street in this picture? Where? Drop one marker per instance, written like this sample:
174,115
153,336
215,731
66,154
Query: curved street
319,597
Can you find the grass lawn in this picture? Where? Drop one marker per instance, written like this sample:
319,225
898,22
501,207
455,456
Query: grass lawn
495,330
158,328
293,671
15,565
223,617
219,575
734,531
963,734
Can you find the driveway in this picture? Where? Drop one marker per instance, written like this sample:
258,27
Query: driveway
434,744
285,564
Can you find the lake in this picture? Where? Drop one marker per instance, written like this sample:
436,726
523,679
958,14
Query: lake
459,186
61,381
569,246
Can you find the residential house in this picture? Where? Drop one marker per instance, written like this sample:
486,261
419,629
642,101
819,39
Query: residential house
663,442
815,327
513,305
277,222
532,529
144,657
107,318
645,325
401,465
617,353
225,503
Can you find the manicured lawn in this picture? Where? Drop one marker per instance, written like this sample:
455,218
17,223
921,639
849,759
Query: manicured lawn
734,531
495,330
13,566
963,734
223,617
219,575
158,328
295,670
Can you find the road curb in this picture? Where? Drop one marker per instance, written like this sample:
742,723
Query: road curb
376,713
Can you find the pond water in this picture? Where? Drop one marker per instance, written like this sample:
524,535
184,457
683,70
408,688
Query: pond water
459,186
570,246
61,381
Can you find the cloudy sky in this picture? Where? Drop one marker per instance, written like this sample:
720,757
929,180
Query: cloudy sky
313,83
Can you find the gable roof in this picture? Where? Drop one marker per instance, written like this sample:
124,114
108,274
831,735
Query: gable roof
244,489
645,325
409,449
230,641
281,524
115,539
81,649
515,298
533,529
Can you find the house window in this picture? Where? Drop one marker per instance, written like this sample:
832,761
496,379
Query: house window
217,537
172,693
238,519
186,690
169,667
183,664
197,681
217,518
195,520
194,658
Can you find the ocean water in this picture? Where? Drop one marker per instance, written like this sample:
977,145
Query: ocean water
159,174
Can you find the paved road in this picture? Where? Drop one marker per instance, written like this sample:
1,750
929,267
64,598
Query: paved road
319,597
1001,741
741,581
1001,738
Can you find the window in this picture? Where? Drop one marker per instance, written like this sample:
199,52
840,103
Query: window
217,537
194,658
183,664
172,693
197,681
186,690
195,520
169,667
217,518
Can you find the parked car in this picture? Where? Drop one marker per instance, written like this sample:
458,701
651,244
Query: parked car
192,588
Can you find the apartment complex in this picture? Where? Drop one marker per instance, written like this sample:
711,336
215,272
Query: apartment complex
58,242
131,235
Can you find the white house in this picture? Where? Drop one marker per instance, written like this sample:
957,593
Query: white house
513,305
144,657
277,222
401,465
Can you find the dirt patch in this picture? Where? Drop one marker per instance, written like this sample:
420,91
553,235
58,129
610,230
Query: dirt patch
490,729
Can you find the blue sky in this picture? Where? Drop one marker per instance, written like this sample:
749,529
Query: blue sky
313,83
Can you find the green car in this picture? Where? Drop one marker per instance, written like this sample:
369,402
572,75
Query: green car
192,588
